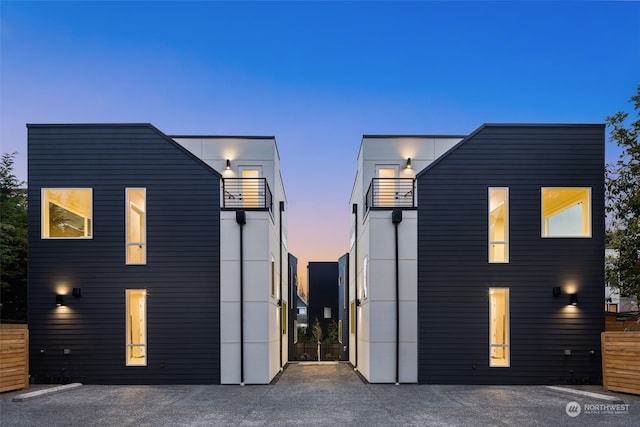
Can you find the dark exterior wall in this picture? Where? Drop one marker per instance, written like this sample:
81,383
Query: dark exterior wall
343,304
182,274
454,274
323,292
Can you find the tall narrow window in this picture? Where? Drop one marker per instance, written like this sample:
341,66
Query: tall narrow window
136,327
365,278
136,206
251,190
566,212
273,277
499,327
498,225
387,183
67,213
352,318
284,317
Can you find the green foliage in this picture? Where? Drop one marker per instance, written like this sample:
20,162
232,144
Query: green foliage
332,333
13,244
303,337
623,203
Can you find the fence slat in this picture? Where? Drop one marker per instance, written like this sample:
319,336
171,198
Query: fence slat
14,354
621,361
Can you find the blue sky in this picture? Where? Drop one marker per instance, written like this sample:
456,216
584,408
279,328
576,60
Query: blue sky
317,75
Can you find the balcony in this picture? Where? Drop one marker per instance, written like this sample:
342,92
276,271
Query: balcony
391,193
246,193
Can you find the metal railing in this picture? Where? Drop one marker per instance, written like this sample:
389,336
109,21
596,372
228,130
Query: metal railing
246,193
387,193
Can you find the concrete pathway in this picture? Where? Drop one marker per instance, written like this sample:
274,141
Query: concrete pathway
326,394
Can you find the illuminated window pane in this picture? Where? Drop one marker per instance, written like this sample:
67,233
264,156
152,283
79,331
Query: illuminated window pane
284,317
136,206
251,188
136,327
566,212
499,327
67,213
327,313
352,319
498,225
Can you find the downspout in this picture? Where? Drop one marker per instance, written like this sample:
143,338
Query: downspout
354,210
241,219
280,299
396,218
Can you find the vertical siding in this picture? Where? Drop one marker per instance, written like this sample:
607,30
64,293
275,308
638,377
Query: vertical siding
181,276
454,274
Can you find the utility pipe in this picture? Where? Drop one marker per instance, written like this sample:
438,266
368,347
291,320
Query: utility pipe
396,218
354,210
280,293
241,219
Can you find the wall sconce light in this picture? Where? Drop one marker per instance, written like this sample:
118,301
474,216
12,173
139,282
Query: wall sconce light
573,299
76,292
59,300
556,291
228,165
408,165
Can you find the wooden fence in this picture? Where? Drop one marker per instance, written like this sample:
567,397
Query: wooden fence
621,361
14,357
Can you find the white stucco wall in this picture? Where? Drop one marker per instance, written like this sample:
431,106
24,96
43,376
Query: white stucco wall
261,236
376,243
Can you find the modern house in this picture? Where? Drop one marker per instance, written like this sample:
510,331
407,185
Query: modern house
383,283
488,268
155,259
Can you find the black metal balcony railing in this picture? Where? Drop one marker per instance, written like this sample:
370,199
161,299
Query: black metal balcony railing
387,193
246,193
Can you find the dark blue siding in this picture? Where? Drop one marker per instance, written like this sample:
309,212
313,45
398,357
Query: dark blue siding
454,274
182,274
323,292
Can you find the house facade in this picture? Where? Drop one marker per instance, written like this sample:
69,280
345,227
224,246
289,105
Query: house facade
135,256
493,273
383,283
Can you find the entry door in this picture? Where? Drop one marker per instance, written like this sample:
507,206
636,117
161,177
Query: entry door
387,185
251,186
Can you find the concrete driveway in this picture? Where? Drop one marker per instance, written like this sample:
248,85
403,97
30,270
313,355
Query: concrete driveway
321,394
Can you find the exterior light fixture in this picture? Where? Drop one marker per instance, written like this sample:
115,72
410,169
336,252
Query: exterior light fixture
408,165
228,165
556,291
77,292
573,299
59,300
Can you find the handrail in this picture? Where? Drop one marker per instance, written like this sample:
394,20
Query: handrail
388,193
246,193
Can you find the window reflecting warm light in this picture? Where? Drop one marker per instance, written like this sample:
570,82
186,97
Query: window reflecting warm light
566,212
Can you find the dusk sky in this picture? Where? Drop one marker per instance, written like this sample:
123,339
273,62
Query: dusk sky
316,75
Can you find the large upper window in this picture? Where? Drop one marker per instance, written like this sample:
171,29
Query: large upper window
499,327
136,327
498,225
67,213
136,207
566,212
